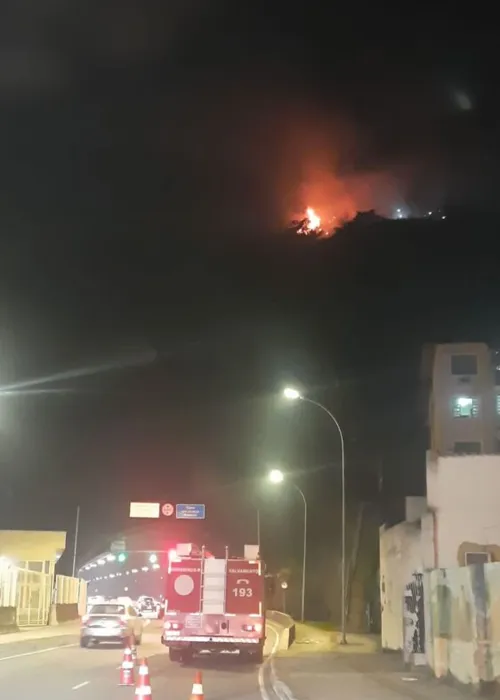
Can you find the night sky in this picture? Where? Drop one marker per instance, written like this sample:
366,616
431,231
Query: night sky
151,154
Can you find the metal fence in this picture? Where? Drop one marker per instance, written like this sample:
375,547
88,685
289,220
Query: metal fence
68,590
33,596
33,592
8,588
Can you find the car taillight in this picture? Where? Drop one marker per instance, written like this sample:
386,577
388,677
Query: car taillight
85,619
123,621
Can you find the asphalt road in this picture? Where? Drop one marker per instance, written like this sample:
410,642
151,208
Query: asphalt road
56,668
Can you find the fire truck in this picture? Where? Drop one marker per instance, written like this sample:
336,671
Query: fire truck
214,605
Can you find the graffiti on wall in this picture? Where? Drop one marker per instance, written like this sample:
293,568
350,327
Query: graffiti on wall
413,620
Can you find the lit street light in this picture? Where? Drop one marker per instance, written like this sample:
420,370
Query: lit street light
276,476
294,395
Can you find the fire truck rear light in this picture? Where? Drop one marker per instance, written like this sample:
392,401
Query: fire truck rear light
173,626
257,627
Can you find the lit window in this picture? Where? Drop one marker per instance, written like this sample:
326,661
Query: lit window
465,407
498,404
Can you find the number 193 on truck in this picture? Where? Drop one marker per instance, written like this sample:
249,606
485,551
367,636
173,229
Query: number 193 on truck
214,605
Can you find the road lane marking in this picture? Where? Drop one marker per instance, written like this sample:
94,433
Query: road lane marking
281,690
261,677
38,651
80,685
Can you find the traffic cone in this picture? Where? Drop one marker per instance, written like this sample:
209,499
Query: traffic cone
127,668
197,692
143,687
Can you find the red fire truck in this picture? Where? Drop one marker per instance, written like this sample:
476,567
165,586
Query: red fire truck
214,604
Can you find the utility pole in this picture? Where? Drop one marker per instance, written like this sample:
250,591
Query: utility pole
258,529
75,547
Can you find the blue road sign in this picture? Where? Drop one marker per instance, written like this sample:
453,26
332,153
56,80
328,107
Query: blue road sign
190,511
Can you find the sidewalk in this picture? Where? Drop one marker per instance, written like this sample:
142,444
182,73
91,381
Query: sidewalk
314,638
32,633
317,667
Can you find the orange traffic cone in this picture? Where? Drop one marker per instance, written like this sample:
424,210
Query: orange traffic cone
127,668
143,687
197,692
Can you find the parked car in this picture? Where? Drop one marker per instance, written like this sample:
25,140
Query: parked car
147,606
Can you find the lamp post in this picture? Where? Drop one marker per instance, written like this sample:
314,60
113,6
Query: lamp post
276,476
294,395
75,544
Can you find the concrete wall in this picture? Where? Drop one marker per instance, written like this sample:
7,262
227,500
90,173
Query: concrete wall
69,599
463,493
446,429
286,627
404,549
463,623
8,619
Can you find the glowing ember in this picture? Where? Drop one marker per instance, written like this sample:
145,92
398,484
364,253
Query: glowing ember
311,223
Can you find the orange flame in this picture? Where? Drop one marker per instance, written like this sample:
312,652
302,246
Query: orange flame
313,219
311,223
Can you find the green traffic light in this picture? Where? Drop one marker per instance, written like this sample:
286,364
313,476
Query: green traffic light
153,558
122,557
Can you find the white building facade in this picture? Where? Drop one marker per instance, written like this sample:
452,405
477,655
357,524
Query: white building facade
458,523
464,404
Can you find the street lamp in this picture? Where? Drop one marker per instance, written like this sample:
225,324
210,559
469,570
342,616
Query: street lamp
276,476
294,395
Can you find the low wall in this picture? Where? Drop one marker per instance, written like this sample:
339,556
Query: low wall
463,628
67,612
287,624
8,619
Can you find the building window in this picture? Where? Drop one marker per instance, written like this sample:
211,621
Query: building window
477,558
467,448
465,407
35,565
463,364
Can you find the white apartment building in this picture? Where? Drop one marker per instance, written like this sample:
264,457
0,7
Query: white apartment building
458,522
464,401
